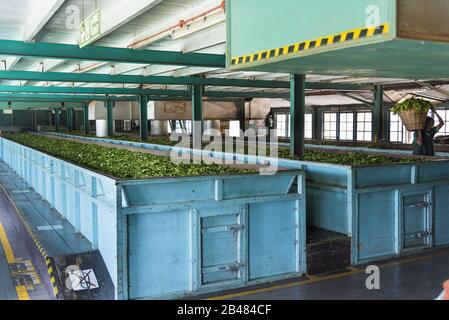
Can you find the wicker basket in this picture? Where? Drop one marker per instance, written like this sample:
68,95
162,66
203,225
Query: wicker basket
414,120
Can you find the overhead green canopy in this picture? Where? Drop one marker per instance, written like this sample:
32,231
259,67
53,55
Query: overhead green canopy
367,38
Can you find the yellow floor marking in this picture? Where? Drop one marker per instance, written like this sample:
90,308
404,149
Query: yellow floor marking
315,279
284,286
22,293
353,269
6,245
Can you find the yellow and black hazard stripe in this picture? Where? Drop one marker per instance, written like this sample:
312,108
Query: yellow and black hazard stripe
304,46
53,276
48,260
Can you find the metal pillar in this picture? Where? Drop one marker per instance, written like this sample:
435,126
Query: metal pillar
70,119
110,117
197,115
86,123
378,131
143,117
57,119
241,112
297,111
315,134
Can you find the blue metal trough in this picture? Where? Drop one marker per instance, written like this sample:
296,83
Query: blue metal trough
388,210
176,237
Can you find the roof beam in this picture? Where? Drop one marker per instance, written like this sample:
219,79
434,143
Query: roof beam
163,80
62,98
26,105
107,54
137,91
135,79
90,90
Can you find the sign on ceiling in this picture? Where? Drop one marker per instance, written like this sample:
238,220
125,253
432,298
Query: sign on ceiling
90,29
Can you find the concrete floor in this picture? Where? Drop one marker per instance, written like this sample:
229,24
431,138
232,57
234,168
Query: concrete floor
23,274
417,277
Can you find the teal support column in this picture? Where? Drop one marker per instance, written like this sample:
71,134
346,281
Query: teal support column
297,111
57,118
241,113
315,134
110,117
34,120
70,119
143,117
86,123
378,130
197,115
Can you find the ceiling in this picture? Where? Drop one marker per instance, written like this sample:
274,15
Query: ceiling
154,24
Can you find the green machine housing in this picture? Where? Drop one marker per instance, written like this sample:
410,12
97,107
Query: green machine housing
369,38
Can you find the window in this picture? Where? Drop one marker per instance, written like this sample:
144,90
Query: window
308,126
445,115
347,126
188,126
397,129
330,126
281,125
178,127
183,124
364,126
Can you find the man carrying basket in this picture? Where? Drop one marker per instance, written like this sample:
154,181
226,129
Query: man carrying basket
424,139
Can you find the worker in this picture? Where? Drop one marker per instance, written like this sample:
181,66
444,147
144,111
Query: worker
269,124
424,139
269,120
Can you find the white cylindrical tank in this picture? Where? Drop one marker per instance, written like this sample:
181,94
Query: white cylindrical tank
159,127
102,128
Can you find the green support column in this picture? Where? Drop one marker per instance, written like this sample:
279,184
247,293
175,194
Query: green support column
86,124
197,115
110,117
70,119
34,120
297,111
143,117
315,134
241,113
378,130
57,119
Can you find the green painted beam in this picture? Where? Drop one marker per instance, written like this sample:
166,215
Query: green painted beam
234,94
165,80
24,105
132,91
197,116
57,118
108,54
297,112
378,131
62,98
86,123
134,79
69,118
110,117
143,118
91,90
242,114
162,92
